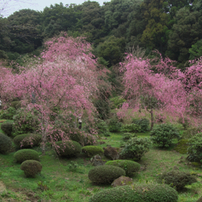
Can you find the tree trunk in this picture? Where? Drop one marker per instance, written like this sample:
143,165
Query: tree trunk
152,119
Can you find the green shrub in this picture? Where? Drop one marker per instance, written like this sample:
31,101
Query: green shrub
176,179
27,140
31,168
103,129
185,122
105,174
135,148
90,151
5,143
116,102
26,154
25,122
131,128
114,124
137,193
163,134
127,136
8,114
68,148
16,104
190,132
182,146
7,128
195,148
130,167
143,123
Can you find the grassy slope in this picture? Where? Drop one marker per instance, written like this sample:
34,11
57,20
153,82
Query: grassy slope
64,185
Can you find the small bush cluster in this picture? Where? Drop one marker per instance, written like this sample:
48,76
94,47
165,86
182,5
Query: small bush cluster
5,144
135,148
130,167
127,136
7,128
137,193
116,102
31,168
8,114
103,129
16,104
91,151
195,148
133,128
105,174
114,124
177,179
143,123
26,154
27,140
68,148
182,146
163,134
25,122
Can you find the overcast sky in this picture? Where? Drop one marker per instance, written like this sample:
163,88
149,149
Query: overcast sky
10,6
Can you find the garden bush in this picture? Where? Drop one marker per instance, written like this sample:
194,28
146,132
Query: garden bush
130,167
68,148
26,154
116,102
105,174
114,124
27,140
90,151
195,148
7,128
5,144
143,123
8,113
163,134
131,128
135,148
137,193
103,129
190,132
127,136
31,168
176,179
185,122
16,104
25,122
182,146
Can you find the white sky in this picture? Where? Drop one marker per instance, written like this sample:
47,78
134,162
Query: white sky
10,6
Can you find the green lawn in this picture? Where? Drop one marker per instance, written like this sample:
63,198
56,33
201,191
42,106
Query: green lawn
58,183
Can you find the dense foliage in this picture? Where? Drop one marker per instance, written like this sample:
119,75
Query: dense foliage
130,167
105,174
137,193
5,143
163,134
26,154
90,151
7,128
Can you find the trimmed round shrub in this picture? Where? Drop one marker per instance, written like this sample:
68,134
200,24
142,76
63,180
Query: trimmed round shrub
195,148
27,140
130,167
90,151
5,144
26,154
137,193
127,136
7,128
182,146
114,124
31,168
131,128
135,148
68,148
163,134
176,179
105,174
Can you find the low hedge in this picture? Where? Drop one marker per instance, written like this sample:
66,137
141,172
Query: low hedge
5,144
26,154
105,174
130,167
90,151
137,193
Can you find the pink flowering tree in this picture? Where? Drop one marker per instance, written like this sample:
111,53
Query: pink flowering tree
147,89
66,77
